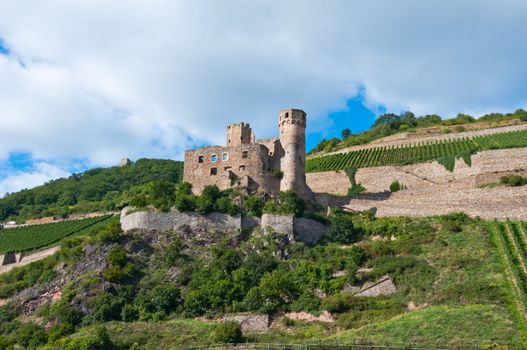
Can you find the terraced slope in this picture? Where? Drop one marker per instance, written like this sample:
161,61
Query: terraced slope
35,237
417,153
510,239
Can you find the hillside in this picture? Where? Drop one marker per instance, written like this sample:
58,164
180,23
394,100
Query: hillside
453,285
390,127
94,190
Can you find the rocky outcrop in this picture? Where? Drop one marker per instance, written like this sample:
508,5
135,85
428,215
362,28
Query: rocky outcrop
324,317
383,286
250,323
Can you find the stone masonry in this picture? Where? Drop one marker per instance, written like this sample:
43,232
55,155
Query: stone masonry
432,190
267,166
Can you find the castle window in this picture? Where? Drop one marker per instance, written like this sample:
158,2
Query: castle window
242,167
225,157
213,171
287,114
245,154
201,159
214,158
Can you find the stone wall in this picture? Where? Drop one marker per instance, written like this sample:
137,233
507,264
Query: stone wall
378,179
248,165
301,229
10,261
152,220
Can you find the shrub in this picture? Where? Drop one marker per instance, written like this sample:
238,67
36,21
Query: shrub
112,233
287,203
100,341
523,118
173,252
65,313
460,128
139,201
185,203
129,313
342,228
278,173
162,194
395,186
356,189
30,335
225,205
106,307
117,257
254,206
205,205
59,331
513,180
228,332
183,189
211,192
165,298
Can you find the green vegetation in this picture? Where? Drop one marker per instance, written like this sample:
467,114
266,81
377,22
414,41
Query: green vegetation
389,124
513,180
148,288
93,190
445,152
396,186
510,240
35,237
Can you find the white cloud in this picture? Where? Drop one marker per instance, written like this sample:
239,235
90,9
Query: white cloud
19,180
102,80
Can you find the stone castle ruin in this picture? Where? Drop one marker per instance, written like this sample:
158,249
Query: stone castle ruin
268,166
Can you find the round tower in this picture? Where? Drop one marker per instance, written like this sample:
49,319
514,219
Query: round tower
292,124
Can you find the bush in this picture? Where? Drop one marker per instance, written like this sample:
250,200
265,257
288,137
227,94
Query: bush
356,189
165,298
460,128
59,331
185,203
65,313
226,206
162,194
523,118
342,228
100,341
513,180
395,186
254,206
205,205
228,332
287,203
184,189
30,335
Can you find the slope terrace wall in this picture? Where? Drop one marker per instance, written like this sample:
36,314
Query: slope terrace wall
378,179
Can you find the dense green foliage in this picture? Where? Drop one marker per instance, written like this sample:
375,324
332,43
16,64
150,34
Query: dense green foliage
389,124
443,151
445,262
94,190
33,237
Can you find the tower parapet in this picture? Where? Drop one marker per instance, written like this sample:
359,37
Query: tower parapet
238,134
292,124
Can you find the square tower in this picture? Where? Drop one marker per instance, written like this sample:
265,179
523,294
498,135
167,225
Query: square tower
239,134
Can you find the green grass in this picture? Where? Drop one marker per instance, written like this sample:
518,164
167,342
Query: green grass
441,325
156,335
35,237
416,153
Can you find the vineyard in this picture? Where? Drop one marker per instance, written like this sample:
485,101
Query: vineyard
510,239
417,153
39,236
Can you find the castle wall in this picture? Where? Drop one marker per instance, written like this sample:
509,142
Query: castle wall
246,165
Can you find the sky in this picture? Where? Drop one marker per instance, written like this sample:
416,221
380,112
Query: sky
84,83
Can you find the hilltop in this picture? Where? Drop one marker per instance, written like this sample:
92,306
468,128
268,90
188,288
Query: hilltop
101,189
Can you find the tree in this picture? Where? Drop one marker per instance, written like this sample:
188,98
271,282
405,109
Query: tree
346,133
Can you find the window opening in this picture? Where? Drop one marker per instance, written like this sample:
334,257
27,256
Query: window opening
213,171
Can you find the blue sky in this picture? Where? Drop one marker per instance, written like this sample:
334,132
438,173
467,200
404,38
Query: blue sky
85,83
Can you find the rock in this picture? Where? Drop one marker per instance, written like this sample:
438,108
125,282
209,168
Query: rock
320,294
324,317
339,274
350,288
383,286
250,323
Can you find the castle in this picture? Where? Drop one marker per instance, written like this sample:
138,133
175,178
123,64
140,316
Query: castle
269,166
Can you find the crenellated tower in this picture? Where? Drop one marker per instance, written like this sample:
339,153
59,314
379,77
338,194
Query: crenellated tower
292,124
239,134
